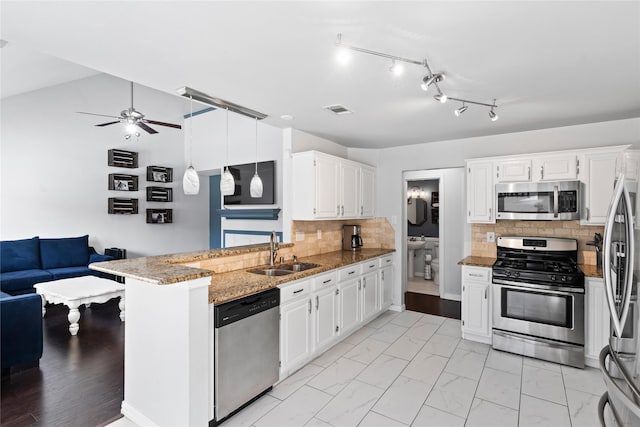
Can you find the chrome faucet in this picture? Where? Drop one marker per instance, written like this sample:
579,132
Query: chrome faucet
273,246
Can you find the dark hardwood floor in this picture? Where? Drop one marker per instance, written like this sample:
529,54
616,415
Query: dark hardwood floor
431,304
80,380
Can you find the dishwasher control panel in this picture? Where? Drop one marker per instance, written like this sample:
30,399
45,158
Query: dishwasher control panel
244,307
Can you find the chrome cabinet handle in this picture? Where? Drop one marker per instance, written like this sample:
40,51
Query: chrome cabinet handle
555,201
588,214
529,173
317,302
382,274
309,306
485,293
338,210
298,291
361,210
326,281
359,284
364,283
541,172
342,209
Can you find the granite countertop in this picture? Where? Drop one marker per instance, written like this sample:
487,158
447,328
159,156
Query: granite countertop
166,269
590,270
477,261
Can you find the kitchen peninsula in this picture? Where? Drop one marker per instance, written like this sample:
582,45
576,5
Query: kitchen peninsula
169,327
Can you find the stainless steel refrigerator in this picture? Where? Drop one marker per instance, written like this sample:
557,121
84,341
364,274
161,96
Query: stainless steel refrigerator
620,360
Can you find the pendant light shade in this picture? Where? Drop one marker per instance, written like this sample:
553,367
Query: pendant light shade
255,188
190,180
227,183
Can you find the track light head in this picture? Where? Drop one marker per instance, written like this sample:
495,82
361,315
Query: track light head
441,97
460,110
430,79
396,68
492,115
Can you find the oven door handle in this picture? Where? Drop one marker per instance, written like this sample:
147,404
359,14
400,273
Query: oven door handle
535,287
555,201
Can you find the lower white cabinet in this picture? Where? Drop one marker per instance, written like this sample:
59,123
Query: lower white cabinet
476,304
385,283
326,309
369,293
349,292
295,332
597,320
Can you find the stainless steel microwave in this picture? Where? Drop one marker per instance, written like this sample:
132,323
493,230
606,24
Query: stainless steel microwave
538,200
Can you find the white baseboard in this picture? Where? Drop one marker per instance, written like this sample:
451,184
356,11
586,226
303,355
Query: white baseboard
398,308
135,416
454,297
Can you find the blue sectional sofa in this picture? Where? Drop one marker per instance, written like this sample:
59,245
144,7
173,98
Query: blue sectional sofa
23,263
21,329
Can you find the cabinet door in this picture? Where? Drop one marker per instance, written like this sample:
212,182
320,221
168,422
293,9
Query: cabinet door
349,304
295,339
326,316
350,188
369,295
600,179
514,171
556,168
386,287
367,192
596,319
480,192
632,165
475,308
327,175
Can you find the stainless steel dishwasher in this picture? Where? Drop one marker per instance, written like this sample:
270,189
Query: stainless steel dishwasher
246,350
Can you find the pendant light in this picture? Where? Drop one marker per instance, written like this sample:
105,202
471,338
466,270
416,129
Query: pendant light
256,182
227,183
190,180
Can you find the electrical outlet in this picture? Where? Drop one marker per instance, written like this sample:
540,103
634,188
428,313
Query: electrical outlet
319,234
491,237
299,236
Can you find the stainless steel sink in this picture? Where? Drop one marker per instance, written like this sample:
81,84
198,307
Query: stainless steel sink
271,271
303,266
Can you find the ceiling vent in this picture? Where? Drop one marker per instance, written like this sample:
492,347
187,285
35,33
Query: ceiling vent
338,109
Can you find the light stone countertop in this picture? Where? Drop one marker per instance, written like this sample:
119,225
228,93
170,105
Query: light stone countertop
166,269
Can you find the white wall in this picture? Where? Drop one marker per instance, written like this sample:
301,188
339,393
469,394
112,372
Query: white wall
210,155
392,162
54,168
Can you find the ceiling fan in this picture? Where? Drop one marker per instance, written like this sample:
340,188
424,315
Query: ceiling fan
133,119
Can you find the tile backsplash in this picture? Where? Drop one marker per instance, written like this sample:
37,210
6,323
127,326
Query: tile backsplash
566,229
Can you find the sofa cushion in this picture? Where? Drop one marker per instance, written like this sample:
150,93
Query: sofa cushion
67,272
66,252
21,329
18,255
21,282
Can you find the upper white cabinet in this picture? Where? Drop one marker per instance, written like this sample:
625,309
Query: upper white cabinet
514,170
631,165
555,168
598,175
328,187
480,192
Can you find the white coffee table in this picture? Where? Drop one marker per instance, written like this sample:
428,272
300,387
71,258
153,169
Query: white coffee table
76,291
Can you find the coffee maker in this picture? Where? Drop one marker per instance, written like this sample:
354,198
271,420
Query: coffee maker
351,238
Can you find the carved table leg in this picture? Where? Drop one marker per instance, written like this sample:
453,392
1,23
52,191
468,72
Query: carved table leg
121,307
44,301
74,316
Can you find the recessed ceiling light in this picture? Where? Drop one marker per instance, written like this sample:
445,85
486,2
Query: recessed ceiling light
338,109
286,117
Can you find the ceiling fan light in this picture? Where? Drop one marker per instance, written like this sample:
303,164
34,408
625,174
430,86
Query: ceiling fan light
191,181
227,183
131,128
255,188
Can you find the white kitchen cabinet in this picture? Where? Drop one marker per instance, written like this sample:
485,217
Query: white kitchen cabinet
328,187
349,292
480,192
599,175
369,293
631,165
555,168
385,282
514,170
597,328
476,304
367,191
349,189
325,316
295,334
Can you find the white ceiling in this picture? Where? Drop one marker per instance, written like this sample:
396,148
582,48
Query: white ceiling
548,63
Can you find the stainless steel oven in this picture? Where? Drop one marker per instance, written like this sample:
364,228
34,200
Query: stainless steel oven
538,299
538,201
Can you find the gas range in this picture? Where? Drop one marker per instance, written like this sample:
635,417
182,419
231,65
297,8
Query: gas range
538,260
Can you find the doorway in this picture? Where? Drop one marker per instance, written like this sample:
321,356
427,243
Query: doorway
434,227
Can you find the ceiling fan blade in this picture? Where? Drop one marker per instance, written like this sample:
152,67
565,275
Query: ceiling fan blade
171,125
147,128
94,114
109,123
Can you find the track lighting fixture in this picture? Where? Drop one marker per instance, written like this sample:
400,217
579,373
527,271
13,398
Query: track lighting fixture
430,79
460,110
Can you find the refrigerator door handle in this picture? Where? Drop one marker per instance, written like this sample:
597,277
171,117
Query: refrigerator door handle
618,318
602,403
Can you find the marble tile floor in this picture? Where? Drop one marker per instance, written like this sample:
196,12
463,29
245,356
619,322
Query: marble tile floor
413,369
421,286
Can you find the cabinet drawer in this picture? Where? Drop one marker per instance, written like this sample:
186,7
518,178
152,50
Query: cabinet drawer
349,272
477,274
323,281
290,291
386,260
370,265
